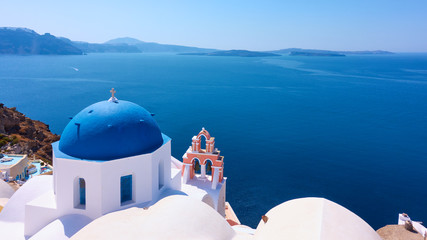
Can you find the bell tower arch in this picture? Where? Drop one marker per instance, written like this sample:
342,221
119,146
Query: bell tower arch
209,158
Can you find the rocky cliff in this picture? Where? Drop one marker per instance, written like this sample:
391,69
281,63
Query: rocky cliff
25,41
21,135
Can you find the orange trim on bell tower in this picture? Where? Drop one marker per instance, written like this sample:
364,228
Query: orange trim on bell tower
207,162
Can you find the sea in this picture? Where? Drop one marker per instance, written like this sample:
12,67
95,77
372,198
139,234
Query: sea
349,129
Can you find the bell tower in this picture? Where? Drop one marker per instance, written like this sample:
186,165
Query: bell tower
203,163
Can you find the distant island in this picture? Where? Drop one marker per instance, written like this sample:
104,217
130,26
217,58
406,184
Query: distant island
24,41
236,53
151,47
318,54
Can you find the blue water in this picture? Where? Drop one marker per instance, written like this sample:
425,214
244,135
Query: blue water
11,162
39,171
350,129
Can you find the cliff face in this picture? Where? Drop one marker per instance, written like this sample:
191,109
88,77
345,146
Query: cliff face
21,135
27,42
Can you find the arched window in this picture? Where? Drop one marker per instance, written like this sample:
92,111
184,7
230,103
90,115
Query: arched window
82,184
208,167
196,165
202,142
80,193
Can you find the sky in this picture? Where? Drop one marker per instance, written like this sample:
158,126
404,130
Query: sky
393,25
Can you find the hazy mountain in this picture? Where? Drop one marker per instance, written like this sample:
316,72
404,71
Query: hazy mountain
104,48
124,40
157,47
101,47
25,41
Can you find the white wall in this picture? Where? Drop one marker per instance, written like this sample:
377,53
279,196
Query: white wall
67,172
103,181
140,169
221,199
37,217
163,155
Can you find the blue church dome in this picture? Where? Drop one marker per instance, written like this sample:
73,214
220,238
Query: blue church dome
110,130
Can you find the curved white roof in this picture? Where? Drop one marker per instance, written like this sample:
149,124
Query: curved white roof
13,214
183,217
14,211
313,218
174,217
62,228
6,191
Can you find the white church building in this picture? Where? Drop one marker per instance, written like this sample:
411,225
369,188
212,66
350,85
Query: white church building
114,178
112,156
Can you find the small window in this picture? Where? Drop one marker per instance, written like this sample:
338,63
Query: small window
125,189
81,200
160,177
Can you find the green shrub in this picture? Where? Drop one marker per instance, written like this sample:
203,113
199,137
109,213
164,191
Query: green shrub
15,141
6,138
2,142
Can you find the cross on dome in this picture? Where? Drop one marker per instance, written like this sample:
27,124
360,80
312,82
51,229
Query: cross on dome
112,99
